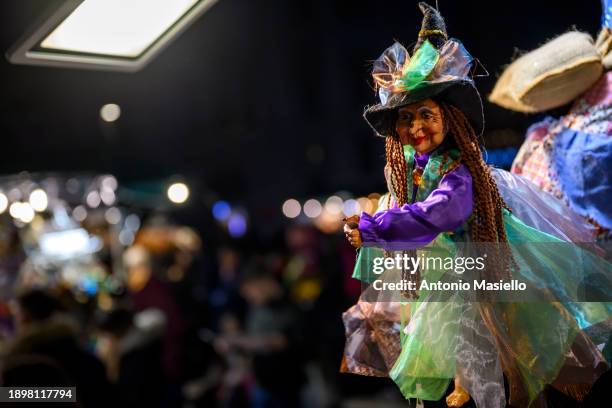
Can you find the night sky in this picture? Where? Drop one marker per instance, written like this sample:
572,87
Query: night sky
258,100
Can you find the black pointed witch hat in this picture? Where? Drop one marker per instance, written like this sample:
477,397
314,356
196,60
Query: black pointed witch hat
438,68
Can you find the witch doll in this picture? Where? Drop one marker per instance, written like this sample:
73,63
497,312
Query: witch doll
441,196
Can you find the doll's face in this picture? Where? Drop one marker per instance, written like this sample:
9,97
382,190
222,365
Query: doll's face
421,125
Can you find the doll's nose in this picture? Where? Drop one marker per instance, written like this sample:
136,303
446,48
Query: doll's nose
415,126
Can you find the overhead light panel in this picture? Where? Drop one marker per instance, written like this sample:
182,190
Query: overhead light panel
107,34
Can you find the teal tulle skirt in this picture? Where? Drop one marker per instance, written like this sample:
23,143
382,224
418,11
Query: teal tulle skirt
548,335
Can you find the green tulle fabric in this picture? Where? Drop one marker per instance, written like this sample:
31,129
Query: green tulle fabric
539,334
420,66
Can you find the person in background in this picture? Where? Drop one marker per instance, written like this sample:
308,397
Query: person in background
42,334
271,339
149,292
131,347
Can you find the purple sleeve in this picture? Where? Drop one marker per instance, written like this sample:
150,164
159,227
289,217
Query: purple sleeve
415,225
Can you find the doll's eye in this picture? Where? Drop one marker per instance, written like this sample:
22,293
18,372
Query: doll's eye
404,117
426,113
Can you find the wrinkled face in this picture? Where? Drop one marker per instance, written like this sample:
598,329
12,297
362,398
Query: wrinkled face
421,125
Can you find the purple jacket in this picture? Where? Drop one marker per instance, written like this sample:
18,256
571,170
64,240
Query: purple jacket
415,225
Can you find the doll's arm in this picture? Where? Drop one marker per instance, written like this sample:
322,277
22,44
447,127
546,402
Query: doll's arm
415,225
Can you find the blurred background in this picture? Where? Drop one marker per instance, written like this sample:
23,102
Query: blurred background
172,237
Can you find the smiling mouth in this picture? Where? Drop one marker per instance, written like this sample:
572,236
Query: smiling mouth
418,140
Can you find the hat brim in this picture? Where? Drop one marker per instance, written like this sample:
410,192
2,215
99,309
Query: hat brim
460,93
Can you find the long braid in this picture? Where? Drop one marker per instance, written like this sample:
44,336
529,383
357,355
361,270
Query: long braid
488,226
487,223
398,167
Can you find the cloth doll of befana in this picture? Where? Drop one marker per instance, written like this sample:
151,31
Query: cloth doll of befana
441,192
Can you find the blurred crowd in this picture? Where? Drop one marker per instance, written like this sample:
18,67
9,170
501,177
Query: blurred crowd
194,325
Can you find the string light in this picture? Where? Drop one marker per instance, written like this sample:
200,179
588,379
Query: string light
334,205
351,207
312,208
291,208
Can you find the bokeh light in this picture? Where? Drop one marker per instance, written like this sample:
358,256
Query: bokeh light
93,199
126,237
291,208
22,211
178,193
107,195
110,112
221,210
312,208
79,213
132,222
109,182
334,205
365,204
3,203
112,215
351,207
237,225
39,200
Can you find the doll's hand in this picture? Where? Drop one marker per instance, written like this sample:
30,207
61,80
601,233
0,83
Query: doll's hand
351,230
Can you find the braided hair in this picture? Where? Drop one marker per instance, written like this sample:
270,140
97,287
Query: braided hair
487,222
397,166
487,225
